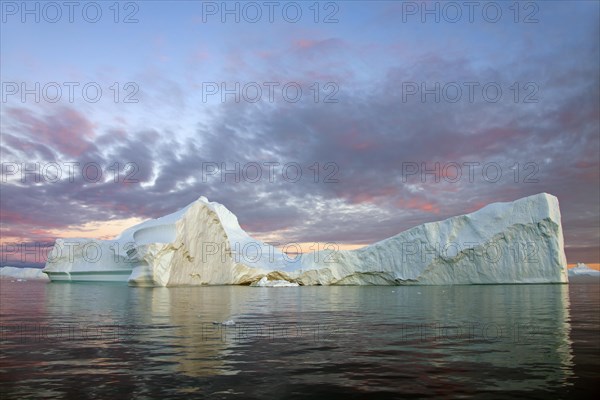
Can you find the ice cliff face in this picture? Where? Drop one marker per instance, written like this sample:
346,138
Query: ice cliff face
517,242
201,248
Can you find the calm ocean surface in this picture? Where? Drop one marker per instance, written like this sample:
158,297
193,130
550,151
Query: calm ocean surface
112,341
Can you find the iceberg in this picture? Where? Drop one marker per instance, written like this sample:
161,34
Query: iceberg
22,274
583,270
203,244
264,282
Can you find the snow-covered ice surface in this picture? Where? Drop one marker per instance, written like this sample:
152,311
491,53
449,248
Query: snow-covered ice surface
203,244
28,274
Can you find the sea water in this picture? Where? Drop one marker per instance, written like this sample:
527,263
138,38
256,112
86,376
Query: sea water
114,341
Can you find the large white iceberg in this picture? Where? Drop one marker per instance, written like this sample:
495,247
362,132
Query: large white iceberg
203,244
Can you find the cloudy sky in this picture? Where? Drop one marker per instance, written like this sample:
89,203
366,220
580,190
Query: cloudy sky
343,122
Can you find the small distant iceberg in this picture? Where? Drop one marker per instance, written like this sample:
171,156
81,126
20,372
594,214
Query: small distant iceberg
583,270
23,274
265,282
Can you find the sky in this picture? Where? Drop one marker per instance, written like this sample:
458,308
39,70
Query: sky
344,122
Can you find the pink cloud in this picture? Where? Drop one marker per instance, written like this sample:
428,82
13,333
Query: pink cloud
357,141
371,195
66,130
305,43
415,203
310,48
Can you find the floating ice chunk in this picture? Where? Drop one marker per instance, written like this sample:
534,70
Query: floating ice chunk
229,322
264,282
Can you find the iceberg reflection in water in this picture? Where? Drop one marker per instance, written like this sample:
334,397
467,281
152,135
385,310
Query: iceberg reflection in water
268,342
